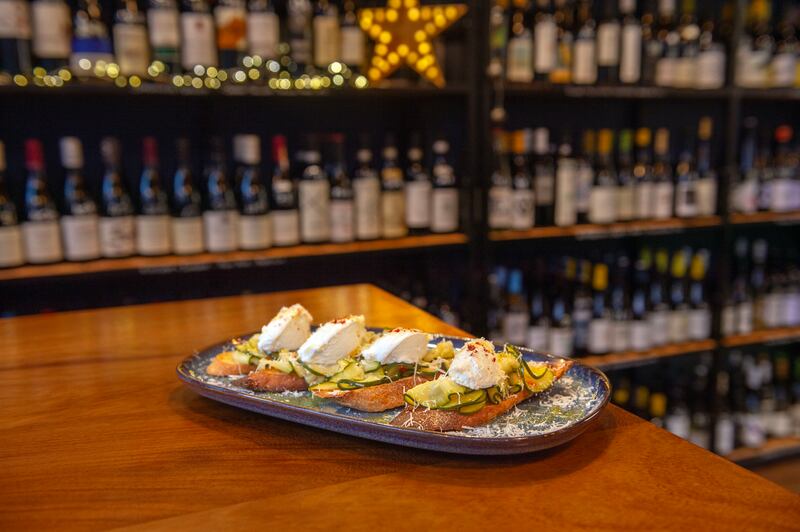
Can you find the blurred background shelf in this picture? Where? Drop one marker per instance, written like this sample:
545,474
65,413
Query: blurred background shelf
630,359
773,449
768,336
616,230
765,217
612,92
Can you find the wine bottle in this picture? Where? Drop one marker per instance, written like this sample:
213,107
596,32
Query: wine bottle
560,334
418,190
679,305
626,182
15,37
52,33
608,42
584,63
327,39
367,192
392,194
743,296
79,224
745,192
725,427
220,215
630,69
285,216
689,31
187,206
543,177
500,191
659,317
700,312
758,282
522,213
545,33
352,38
663,187
600,326
342,229
130,39
299,32
651,45
585,177
263,29
640,332
670,41
515,321
520,48
678,420
566,185
784,63
315,208
565,42
152,220
163,24
116,208
710,70
539,316
706,185
254,223
230,17
582,308
199,45
686,204
644,188
781,196
620,307
90,42
444,199
40,231
602,201
10,234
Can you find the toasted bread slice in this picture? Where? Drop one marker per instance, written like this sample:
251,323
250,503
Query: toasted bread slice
224,364
374,398
272,380
447,420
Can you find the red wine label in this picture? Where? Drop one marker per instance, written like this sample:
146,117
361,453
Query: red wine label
199,46
131,49
522,209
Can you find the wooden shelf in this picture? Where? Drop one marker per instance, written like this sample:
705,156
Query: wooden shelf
766,217
637,358
226,260
767,336
773,449
611,92
783,94
594,231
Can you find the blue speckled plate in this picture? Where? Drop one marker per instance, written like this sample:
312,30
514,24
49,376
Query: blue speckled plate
543,421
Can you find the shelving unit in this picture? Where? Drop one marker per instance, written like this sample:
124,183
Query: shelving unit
783,218
763,337
629,359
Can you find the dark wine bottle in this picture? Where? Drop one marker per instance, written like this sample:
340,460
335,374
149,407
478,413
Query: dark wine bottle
116,207
79,222
543,177
90,43
52,29
342,229
444,200
314,193
40,231
392,197
254,227
15,37
418,190
152,219
163,23
198,46
367,190
220,217
10,234
231,20
187,207
285,215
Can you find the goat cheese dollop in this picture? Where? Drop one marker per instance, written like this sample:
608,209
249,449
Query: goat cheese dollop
333,341
475,366
398,345
287,330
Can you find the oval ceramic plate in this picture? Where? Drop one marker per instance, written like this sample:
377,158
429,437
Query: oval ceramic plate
543,421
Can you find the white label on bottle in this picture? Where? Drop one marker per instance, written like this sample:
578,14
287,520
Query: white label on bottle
793,309
626,199
418,204
263,34
602,204
342,221
662,206
659,327
152,234
500,206
254,231
560,341
665,72
51,30
522,210
543,189
753,432
545,46
117,236
780,199
327,42
699,324
599,336
221,230
537,337
187,235
679,424
728,320
584,67
608,44
515,327
164,27
520,59
352,46
10,246
784,67
566,213
367,192
130,48
393,214
81,240
755,68
285,228
315,210
724,436
445,210
620,335
231,27
772,310
678,326
630,66
643,198
744,317
641,339
686,199
199,46
780,424
42,241
711,69
14,20
685,72
706,190
583,193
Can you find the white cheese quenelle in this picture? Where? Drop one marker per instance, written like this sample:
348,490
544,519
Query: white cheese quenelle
398,345
333,341
475,366
287,330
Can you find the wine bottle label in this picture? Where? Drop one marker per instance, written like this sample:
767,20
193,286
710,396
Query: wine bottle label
724,436
42,242
367,192
199,46
130,47
187,235
500,207
515,327
10,246
583,192
522,210
445,210
599,336
780,424
620,335
626,203
773,310
746,196
584,67
662,205
659,327
14,20
560,341
566,212
117,236
784,67
602,204
152,234
780,199
352,46
327,41
221,230
393,210
699,324
520,60
315,210
418,204
342,229
678,326
744,317
285,228
643,197
755,68
630,65
679,424
255,231
793,309
711,68
752,433
263,34
641,339
537,338
51,30
706,189
164,28
608,40
665,72
231,27
81,237
543,189
685,199
545,34
728,322
685,72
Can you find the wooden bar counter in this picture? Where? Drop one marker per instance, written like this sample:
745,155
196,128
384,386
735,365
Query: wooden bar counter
97,432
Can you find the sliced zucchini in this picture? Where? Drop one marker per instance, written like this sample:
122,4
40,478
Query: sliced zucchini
398,370
471,409
495,394
326,371
370,365
353,371
537,377
324,386
443,349
244,358
458,400
433,393
283,365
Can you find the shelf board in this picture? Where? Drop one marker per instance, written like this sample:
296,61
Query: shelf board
787,218
782,94
621,92
223,260
595,231
629,359
773,449
767,336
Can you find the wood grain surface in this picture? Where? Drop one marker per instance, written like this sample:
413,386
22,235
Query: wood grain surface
97,432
